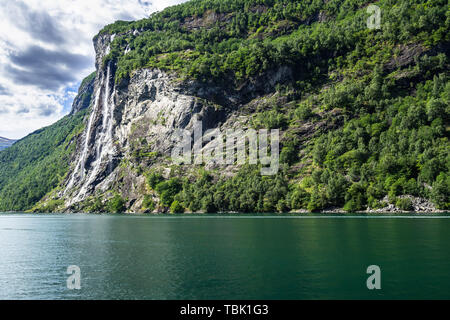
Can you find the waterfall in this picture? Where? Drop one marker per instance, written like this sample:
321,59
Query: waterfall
80,170
102,140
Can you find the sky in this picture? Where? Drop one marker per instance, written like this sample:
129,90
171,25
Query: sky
45,52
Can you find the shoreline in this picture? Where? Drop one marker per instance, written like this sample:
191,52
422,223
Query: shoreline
335,212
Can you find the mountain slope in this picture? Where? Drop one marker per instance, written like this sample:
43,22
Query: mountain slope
36,164
5,143
364,113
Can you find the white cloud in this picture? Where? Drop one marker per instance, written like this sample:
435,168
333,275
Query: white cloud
46,49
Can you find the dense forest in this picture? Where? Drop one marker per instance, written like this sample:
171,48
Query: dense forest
390,86
377,99
222,39
35,165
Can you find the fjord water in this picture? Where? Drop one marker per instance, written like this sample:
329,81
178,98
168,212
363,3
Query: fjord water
190,257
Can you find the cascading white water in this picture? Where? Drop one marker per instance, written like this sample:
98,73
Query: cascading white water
102,141
105,118
80,170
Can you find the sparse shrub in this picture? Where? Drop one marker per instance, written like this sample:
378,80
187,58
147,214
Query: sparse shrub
148,204
167,190
404,204
116,204
153,178
440,193
176,207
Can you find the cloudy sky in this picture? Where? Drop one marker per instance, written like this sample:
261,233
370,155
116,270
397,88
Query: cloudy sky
46,50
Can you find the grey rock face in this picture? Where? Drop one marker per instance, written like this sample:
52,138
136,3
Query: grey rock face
148,108
418,205
150,105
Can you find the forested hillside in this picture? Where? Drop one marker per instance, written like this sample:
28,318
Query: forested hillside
386,90
36,164
364,113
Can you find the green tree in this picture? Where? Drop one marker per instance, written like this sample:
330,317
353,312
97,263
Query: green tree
117,204
440,193
176,207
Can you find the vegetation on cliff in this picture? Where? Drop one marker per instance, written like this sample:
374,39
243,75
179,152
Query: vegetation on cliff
387,90
376,102
238,39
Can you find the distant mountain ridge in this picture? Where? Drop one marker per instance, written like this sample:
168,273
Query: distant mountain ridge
5,143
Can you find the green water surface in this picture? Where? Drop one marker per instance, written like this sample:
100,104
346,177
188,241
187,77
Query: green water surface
213,257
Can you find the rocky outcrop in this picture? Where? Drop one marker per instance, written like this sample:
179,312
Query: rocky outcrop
84,96
406,55
150,106
144,113
417,204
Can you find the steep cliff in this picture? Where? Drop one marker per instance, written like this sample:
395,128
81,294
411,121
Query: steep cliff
363,113
142,114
